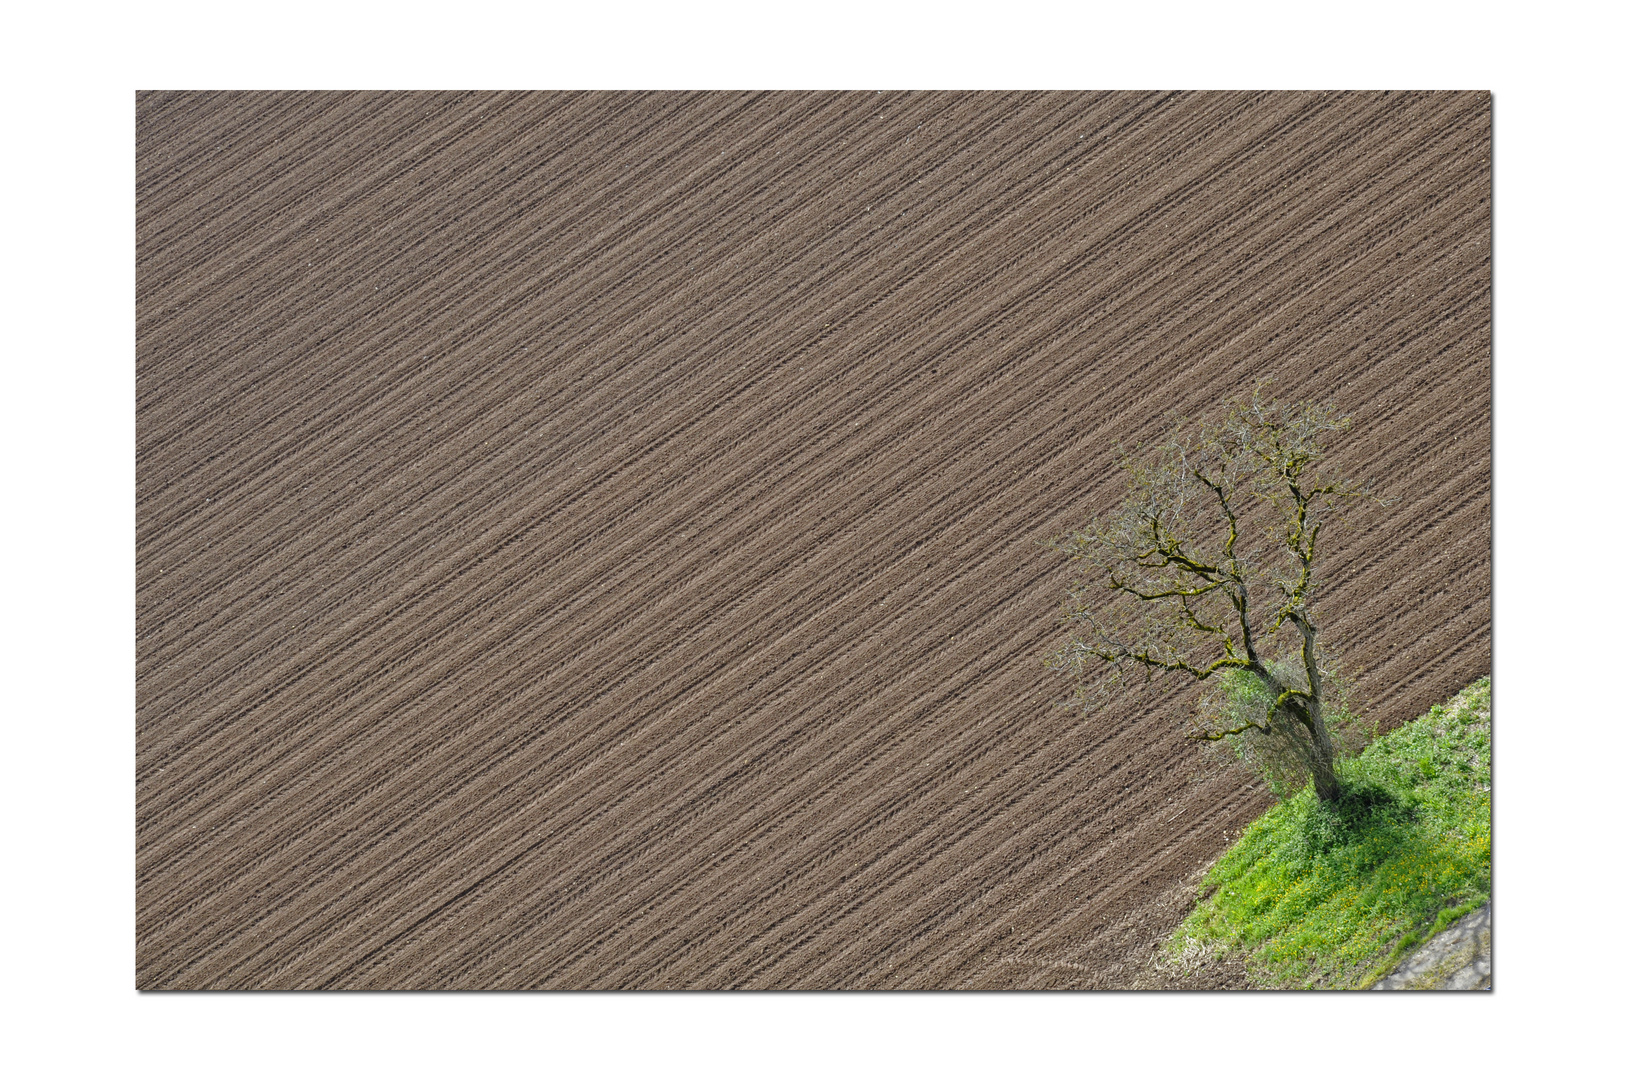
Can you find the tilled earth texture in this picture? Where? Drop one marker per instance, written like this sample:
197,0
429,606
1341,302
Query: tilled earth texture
588,540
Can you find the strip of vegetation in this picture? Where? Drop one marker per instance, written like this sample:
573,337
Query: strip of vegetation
1319,894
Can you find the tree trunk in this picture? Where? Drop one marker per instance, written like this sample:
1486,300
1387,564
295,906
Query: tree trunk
1316,750
1322,753
1327,787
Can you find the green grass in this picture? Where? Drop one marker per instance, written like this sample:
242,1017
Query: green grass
1331,897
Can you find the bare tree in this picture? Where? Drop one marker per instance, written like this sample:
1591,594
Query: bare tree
1208,568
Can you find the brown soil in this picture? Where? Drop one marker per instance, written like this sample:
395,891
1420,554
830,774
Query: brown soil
587,540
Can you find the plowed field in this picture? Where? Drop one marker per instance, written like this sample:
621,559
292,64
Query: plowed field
588,540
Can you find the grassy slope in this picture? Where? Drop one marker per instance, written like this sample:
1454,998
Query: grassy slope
1314,897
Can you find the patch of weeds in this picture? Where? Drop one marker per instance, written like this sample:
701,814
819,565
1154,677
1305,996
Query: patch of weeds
1333,896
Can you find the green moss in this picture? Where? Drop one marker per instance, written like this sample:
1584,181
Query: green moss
1315,895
